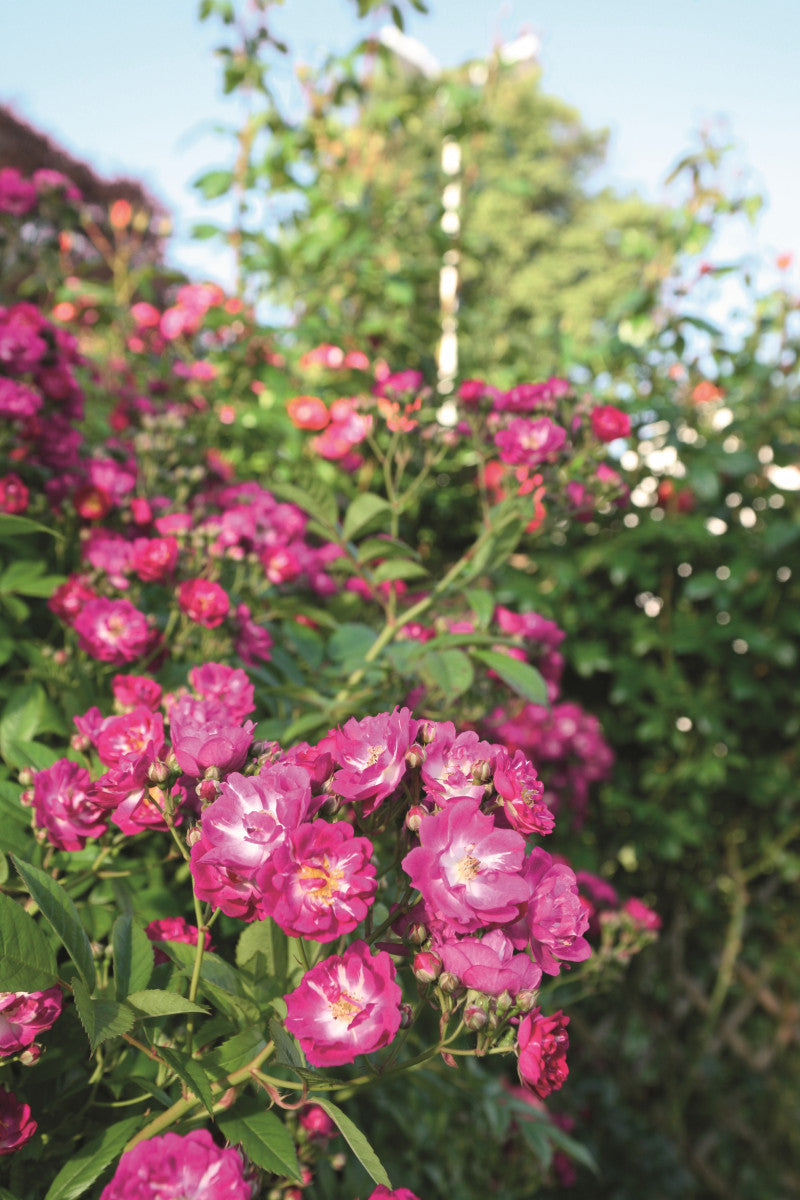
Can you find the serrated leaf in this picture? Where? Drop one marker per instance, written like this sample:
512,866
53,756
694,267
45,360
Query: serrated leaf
264,937
11,526
482,604
521,677
317,501
156,1002
191,1073
350,642
133,956
448,670
287,1051
398,568
384,547
262,1135
355,1140
101,1019
87,1164
366,512
22,713
29,754
27,961
62,916
237,1051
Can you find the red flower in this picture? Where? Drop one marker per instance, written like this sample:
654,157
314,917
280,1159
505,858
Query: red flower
543,1043
609,423
204,602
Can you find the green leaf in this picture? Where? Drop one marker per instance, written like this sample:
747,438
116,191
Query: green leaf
26,578
156,1002
356,1141
133,956
350,643
237,1051
447,671
482,604
62,916
11,526
521,677
27,961
21,715
191,1073
15,830
263,1137
21,754
264,937
367,511
287,1051
101,1019
316,500
214,184
384,547
87,1164
398,568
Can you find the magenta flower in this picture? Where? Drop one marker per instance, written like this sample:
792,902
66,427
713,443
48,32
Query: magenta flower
16,1126
24,1015
543,1043
371,756
204,602
253,642
609,423
383,1193
176,1166
451,762
204,735
134,691
174,929
114,631
528,443
520,792
468,872
63,807
345,1007
17,400
319,883
556,917
131,733
17,194
228,685
154,559
642,916
490,965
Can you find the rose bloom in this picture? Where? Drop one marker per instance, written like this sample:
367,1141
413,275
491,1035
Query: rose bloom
16,1126
227,685
308,412
133,691
113,631
24,1015
371,754
383,1193
174,929
345,1006
528,443
204,602
555,917
468,872
642,916
609,423
319,883
173,1166
14,495
154,559
204,735
543,1043
63,808
490,965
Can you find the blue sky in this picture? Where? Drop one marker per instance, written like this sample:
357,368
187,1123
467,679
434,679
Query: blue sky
134,88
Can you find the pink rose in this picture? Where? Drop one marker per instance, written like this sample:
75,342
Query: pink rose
345,1006
609,423
204,602
16,1126
174,1165
543,1043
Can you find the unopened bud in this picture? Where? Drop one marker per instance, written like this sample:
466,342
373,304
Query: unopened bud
406,1015
475,1017
414,817
172,761
158,772
417,933
503,1003
526,1000
448,983
26,798
60,657
448,1059
481,772
427,966
427,732
211,773
207,790
79,741
26,777
31,1054
339,1161
193,836
415,757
